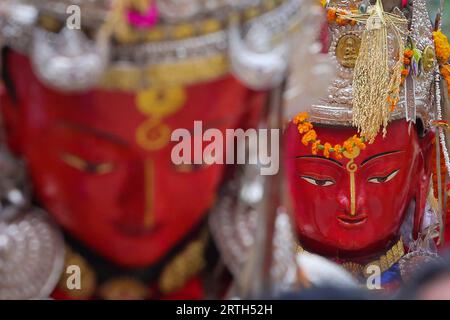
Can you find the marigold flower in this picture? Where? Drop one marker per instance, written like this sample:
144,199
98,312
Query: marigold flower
301,117
445,70
337,151
315,147
407,61
442,46
326,150
358,142
408,53
304,127
361,145
348,145
331,14
405,72
311,135
341,21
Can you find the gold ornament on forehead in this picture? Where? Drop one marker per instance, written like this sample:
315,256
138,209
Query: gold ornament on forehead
161,102
157,103
352,167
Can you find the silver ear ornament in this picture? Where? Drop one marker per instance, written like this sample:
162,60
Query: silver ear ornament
68,61
173,10
31,245
254,61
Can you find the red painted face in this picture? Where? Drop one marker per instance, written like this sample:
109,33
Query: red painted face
101,161
391,172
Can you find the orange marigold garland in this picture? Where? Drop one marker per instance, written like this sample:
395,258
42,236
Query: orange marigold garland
443,54
442,46
306,128
338,16
435,187
407,56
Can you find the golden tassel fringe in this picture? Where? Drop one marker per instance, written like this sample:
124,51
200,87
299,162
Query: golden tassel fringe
374,85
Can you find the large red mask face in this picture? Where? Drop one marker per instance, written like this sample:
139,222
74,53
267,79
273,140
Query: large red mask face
390,173
101,161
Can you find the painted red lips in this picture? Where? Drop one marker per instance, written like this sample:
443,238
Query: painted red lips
352,221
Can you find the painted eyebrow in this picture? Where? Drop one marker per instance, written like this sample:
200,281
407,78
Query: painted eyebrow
375,156
320,157
94,131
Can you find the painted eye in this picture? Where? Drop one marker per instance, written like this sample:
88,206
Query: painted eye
318,182
384,179
87,166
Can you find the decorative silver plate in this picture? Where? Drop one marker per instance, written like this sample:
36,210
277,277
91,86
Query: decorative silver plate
31,256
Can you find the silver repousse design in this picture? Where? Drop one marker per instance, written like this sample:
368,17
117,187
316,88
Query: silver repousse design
68,61
174,10
16,24
94,11
421,33
233,220
253,61
31,256
31,246
276,21
233,225
15,191
55,65
416,94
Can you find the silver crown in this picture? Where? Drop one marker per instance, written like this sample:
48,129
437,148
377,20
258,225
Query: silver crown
416,94
189,42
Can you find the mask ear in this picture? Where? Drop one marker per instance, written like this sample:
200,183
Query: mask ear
423,179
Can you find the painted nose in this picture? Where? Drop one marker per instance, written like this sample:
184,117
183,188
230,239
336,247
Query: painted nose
344,203
149,205
344,200
137,196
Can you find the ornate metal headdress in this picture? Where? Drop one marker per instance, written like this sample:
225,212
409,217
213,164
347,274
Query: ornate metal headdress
130,44
386,62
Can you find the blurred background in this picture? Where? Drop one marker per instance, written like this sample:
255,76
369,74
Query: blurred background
446,24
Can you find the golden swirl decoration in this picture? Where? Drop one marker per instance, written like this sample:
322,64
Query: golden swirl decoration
161,102
352,167
157,103
153,135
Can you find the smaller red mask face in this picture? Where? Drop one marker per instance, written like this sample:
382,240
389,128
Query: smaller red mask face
390,174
